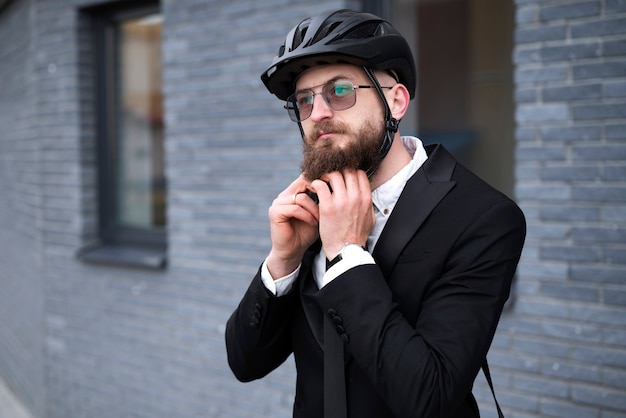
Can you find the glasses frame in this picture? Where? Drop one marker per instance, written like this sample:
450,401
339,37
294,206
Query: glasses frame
292,104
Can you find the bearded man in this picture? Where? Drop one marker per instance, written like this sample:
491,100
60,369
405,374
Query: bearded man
390,262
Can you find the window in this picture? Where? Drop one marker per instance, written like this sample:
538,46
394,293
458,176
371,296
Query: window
465,80
129,110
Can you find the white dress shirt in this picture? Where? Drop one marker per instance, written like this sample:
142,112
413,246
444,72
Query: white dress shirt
384,199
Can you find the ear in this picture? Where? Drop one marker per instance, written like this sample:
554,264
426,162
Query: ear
399,99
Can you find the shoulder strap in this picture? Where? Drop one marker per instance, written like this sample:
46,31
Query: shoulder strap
488,376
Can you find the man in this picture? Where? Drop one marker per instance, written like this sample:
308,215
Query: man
390,263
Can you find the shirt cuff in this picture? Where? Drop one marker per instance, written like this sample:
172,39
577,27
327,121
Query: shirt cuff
281,286
354,259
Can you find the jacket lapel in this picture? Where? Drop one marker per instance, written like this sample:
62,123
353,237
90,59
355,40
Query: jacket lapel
422,193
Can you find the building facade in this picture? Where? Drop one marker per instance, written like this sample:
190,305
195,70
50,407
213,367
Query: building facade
139,153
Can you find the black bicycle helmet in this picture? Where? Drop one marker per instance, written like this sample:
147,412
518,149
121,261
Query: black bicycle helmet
341,36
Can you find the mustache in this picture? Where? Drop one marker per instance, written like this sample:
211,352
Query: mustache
326,127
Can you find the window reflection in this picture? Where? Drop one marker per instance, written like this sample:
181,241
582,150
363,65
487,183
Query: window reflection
140,169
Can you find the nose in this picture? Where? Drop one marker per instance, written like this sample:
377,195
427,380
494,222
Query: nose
321,110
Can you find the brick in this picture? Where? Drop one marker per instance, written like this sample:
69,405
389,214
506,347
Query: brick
526,95
559,409
543,192
599,193
607,316
571,173
570,11
570,213
599,355
571,133
570,253
564,369
615,6
614,336
615,132
541,113
612,414
525,134
525,15
614,89
614,378
540,34
598,274
526,173
542,348
541,75
570,93
517,401
571,52
541,153
598,234
614,48
595,152
550,270
513,361
599,111
614,173
613,213
599,70
615,297
615,255
526,55
600,397
601,27
570,292
541,386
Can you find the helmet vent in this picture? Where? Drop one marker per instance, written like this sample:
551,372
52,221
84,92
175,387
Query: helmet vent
364,31
328,29
300,35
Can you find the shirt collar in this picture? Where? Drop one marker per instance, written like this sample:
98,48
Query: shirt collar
385,196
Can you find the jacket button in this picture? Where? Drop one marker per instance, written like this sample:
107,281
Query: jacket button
345,338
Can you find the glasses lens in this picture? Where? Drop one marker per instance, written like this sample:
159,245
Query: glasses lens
292,109
339,95
304,103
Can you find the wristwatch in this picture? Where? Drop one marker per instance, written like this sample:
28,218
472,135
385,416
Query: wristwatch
347,249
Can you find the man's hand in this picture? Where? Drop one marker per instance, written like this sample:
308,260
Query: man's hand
294,219
346,213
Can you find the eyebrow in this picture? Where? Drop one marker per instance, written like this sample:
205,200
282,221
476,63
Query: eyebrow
335,78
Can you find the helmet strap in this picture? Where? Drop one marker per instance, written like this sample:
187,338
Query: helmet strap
391,125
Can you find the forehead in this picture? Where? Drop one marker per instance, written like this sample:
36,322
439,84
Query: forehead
316,76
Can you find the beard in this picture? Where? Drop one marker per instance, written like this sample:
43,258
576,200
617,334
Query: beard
360,153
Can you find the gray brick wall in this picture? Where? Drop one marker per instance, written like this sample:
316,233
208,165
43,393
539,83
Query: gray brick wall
21,294
561,350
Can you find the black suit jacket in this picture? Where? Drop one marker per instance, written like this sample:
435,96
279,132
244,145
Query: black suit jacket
417,324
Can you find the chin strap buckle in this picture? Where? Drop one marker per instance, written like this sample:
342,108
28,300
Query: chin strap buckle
392,125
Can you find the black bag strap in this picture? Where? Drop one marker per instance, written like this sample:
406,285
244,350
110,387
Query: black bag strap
488,376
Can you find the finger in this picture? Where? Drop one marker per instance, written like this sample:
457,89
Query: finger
335,182
289,195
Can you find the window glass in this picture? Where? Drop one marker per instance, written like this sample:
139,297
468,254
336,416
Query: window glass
140,178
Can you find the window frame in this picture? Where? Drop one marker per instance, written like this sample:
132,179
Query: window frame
116,243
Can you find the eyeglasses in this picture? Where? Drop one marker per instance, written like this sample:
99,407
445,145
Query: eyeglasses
338,95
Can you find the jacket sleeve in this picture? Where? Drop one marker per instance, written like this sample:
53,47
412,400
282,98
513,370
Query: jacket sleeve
426,368
258,332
